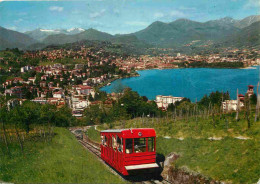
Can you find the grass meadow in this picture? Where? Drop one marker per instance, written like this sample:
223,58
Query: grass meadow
226,151
61,160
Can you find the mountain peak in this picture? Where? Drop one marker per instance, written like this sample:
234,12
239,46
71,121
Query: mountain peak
75,29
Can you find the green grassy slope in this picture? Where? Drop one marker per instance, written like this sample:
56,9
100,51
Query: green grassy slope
94,135
63,160
229,160
232,157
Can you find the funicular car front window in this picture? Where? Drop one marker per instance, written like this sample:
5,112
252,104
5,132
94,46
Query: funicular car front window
129,146
151,144
119,144
139,145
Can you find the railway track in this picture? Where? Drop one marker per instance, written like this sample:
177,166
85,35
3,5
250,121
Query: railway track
97,152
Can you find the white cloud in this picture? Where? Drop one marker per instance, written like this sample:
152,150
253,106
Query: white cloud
19,20
97,14
14,28
189,8
252,4
56,8
170,15
177,13
137,23
158,15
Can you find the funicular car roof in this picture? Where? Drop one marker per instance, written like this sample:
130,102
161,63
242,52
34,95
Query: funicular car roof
133,132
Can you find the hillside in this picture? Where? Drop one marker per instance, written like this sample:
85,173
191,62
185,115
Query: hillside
184,31
177,34
248,36
90,34
61,160
227,151
14,39
40,34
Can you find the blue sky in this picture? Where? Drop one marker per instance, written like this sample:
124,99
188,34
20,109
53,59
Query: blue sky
117,16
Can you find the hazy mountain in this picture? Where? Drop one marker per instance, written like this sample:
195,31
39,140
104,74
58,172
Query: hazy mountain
248,21
183,31
90,34
40,34
228,21
187,32
13,39
128,40
248,36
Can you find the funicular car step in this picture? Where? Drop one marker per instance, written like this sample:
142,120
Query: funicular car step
142,166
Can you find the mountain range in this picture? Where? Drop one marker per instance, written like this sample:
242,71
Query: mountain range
167,35
40,34
11,39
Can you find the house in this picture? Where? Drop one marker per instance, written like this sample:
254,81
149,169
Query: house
14,91
164,101
44,77
40,100
32,79
17,80
43,84
85,90
250,90
58,94
26,68
77,113
231,105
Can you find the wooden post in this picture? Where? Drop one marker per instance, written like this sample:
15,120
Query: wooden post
19,139
257,103
238,106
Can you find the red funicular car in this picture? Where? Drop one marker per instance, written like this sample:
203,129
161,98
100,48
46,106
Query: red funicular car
128,150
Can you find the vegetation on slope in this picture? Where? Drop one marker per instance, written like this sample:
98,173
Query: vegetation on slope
61,160
226,150
94,135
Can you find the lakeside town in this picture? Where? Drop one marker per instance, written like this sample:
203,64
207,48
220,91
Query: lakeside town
73,76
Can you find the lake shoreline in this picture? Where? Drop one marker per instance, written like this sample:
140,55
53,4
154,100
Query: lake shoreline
190,83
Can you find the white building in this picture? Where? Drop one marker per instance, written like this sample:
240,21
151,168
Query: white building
85,90
58,94
231,105
79,103
165,101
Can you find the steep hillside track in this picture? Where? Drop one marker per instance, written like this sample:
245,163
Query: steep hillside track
94,149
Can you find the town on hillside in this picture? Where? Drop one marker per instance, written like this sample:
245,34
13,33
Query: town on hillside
73,76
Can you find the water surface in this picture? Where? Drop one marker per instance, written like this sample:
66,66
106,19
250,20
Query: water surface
192,83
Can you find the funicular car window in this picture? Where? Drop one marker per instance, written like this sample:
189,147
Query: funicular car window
151,144
129,146
109,141
119,144
104,140
114,144
139,145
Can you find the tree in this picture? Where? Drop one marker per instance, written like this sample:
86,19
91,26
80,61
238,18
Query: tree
15,118
94,115
90,98
29,114
63,117
3,120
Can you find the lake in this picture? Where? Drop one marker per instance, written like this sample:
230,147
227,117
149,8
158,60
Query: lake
192,83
